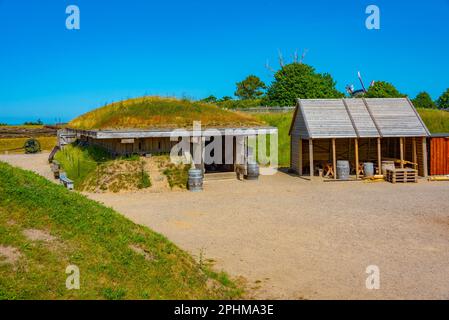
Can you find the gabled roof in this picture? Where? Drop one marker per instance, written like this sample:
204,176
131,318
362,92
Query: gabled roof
357,118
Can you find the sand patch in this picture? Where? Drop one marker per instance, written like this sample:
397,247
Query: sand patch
9,255
38,235
145,253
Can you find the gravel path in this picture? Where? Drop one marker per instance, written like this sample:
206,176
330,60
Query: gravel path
290,238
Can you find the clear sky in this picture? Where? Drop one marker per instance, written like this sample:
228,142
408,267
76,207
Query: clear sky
197,48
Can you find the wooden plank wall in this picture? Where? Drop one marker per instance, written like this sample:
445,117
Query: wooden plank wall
439,156
140,146
294,153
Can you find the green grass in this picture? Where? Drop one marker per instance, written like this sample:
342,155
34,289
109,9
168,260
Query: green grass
79,163
177,174
97,240
437,121
281,121
152,112
92,169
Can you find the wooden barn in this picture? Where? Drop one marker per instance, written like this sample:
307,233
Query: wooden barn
324,131
439,154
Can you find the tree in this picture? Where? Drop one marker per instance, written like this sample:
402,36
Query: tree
423,100
382,89
298,80
210,99
225,98
250,88
443,100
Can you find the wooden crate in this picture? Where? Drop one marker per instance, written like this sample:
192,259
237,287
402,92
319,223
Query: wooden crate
405,175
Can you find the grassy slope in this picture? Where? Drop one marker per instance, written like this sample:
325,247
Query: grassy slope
150,112
435,120
92,168
282,121
47,143
97,240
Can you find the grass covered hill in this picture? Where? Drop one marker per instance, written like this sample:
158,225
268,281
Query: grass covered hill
158,112
45,228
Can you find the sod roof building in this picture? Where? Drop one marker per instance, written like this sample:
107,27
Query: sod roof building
154,125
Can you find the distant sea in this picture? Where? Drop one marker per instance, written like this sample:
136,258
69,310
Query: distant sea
22,119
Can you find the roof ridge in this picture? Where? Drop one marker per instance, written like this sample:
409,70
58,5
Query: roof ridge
372,117
351,118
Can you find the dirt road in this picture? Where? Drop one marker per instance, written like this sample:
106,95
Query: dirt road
294,239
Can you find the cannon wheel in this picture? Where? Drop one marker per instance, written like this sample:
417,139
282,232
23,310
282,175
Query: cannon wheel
32,146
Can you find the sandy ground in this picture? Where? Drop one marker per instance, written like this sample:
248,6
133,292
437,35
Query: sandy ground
290,238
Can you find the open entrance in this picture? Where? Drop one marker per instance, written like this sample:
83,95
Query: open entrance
226,162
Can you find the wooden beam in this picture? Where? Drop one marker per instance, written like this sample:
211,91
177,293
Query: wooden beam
401,147
424,156
356,148
334,158
415,154
379,156
300,156
203,154
311,158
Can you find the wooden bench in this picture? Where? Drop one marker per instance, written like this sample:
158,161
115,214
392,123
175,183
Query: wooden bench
55,168
66,181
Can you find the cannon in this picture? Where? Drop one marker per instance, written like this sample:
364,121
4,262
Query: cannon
32,146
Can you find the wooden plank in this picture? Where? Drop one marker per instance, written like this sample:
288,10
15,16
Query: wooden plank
334,158
414,153
300,156
356,150
401,150
379,156
311,159
424,152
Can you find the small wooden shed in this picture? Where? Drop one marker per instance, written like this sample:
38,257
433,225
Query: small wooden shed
358,130
439,154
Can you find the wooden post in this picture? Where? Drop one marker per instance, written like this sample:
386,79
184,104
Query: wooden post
379,156
334,158
424,156
356,148
401,146
415,155
300,157
203,154
311,158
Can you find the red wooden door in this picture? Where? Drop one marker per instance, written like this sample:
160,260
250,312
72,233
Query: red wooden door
439,156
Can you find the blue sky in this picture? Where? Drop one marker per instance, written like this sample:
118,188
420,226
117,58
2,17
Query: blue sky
197,48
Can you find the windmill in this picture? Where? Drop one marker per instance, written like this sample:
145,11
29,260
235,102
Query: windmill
356,93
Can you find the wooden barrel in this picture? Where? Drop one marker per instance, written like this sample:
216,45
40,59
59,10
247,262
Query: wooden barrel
368,168
387,165
195,182
343,169
252,171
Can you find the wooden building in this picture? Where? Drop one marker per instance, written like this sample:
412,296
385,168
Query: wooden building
439,154
358,130
123,142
